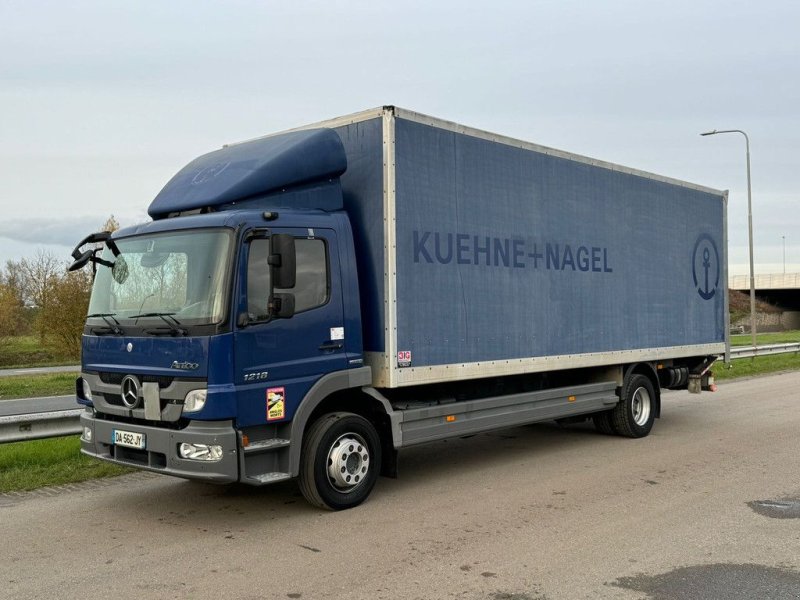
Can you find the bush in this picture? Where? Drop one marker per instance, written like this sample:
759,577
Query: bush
12,318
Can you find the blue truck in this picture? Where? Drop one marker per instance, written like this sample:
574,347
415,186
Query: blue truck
308,303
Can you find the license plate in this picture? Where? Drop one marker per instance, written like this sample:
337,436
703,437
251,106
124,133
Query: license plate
129,439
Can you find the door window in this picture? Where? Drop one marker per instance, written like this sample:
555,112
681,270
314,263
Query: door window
312,287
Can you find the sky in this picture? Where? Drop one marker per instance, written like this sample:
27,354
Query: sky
101,102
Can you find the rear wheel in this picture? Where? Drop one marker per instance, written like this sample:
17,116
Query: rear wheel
602,422
635,413
341,461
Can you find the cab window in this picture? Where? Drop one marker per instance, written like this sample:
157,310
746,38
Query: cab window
312,288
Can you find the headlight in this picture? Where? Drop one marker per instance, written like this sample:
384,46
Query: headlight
87,434
194,401
200,452
87,391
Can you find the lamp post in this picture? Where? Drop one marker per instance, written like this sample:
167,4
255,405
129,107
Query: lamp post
749,229
784,254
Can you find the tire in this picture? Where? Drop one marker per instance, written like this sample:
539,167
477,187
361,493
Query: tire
341,461
635,413
603,423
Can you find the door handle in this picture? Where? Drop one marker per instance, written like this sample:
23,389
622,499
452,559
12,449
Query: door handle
331,346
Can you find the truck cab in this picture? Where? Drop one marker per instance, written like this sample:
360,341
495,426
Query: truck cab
208,326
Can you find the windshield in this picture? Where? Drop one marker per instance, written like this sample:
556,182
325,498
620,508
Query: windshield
176,274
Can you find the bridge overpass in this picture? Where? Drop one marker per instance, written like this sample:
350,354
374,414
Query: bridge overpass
780,289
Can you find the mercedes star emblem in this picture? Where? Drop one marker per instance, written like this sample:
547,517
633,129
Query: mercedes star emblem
130,391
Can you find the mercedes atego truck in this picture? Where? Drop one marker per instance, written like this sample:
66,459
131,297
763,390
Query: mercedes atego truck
308,303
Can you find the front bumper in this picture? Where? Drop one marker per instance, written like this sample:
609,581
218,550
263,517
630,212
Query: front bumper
161,448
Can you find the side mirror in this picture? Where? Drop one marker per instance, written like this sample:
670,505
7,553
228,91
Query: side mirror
81,258
282,261
282,306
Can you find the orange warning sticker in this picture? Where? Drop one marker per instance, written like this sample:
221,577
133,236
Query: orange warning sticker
276,404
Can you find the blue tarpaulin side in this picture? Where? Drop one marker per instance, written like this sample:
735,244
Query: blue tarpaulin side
504,252
253,168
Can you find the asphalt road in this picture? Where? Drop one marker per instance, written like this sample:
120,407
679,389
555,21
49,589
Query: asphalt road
702,508
24,406
38,370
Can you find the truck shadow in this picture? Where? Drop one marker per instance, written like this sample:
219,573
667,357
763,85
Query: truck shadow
457,456
470,455
420,468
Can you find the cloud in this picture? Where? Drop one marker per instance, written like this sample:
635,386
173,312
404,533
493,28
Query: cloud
62,231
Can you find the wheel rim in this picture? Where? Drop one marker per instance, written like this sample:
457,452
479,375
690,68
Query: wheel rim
640,406
348,462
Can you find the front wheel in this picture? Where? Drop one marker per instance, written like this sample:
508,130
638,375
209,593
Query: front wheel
635,413
341,461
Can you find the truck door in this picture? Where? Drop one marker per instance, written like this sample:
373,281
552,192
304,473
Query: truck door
277,361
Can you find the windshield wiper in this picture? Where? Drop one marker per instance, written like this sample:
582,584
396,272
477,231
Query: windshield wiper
172,322
112,323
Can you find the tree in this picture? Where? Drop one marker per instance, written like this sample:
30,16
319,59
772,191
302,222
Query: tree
12,318
66,311
111,224
64,315
15,318
13,277
36,277
59,299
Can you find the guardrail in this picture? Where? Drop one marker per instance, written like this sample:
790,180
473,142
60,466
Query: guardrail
36,426
766,350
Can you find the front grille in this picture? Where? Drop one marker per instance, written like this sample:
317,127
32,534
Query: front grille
116,379
116,400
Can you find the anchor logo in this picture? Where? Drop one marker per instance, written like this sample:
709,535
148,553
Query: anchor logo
705,266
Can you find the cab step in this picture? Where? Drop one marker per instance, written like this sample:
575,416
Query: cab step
265,478
266,445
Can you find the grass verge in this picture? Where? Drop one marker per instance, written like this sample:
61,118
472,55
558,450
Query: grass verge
56,461
760,365
34,386
19,352
781,337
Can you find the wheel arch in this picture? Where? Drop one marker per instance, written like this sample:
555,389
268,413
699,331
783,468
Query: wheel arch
342,391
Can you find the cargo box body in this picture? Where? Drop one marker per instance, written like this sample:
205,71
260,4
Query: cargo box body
481,255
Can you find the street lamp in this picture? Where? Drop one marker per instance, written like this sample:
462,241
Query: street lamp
784,254
749,229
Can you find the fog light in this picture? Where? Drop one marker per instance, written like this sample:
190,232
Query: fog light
87,434
194,401
200,452
87,391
